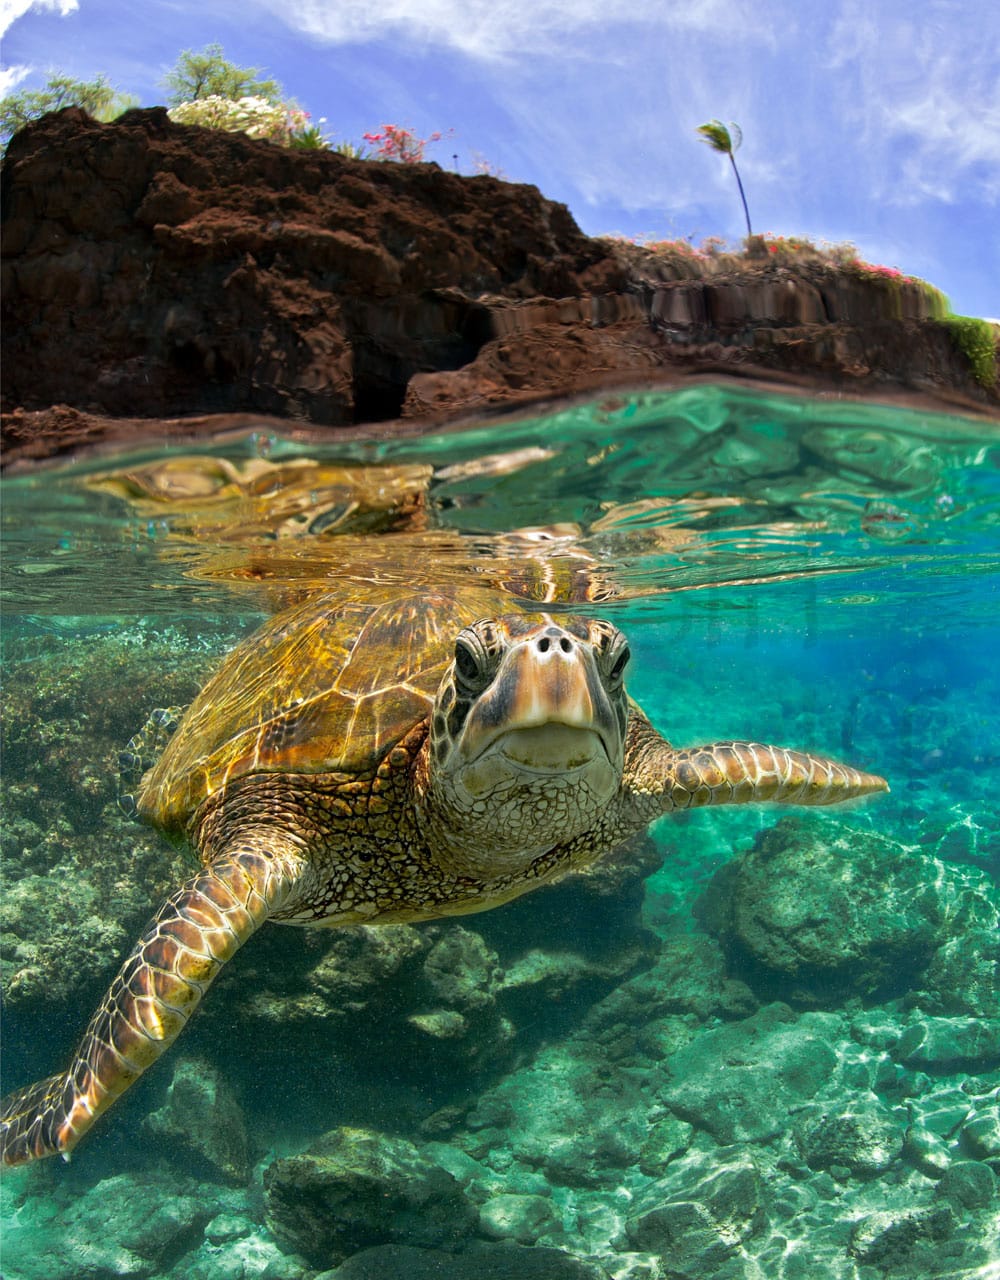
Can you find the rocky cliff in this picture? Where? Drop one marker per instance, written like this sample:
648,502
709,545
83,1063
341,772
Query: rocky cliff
159,270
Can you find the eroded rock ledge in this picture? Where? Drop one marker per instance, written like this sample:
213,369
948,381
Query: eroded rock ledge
155,270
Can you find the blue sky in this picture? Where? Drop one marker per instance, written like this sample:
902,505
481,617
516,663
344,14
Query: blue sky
874,121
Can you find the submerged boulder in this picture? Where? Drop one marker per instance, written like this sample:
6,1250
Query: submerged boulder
355,1188
739,1082
818,910
202,1120
700,1214
861,1137
135,1225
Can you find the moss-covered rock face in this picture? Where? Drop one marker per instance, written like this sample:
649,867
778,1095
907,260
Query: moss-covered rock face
978,340
819,910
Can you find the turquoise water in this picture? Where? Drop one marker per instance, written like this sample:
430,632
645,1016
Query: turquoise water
812,573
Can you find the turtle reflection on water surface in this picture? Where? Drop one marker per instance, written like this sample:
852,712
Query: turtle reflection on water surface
389,756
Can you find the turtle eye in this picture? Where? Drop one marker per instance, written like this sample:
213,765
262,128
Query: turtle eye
614,651
473,666
620,663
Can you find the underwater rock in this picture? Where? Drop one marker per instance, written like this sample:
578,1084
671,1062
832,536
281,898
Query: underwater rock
133,1225
950,1044
226,1227
461,970
687,977
427,998
817,910
522,1218
700,1213
247,1257
81,879
739,1082
570,945
887,1239
685,1236
968,1184
668,1138
981,1134
202,1120
964,975
926,1152
862,1138
564,1114
341,977
355,1188
52,939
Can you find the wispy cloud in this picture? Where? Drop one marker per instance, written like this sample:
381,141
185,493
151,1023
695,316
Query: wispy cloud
920,88
11,10
498,29
949,136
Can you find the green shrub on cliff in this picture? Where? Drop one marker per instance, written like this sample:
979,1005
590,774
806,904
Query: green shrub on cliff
977,340
99,98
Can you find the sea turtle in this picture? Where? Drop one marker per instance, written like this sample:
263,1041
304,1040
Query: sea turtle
389,756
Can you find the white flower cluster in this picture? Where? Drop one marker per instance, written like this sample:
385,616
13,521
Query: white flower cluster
255,117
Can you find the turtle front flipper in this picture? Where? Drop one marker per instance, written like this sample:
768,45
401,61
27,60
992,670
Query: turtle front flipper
665,779
141,750
749,772
156,990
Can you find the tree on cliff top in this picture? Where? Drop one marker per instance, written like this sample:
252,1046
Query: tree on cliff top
720,139
208,74
99,98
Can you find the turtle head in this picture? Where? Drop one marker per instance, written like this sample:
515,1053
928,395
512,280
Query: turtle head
528,733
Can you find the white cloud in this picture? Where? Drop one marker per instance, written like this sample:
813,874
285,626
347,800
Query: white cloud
499,29
11,77
949,138
11,10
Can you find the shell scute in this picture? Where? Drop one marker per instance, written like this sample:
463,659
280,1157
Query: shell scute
329,686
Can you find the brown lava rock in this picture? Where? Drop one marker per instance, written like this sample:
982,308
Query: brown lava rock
155,270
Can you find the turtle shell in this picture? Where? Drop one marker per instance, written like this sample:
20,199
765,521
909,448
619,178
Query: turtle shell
328,686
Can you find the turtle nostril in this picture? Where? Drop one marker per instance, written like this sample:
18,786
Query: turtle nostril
546,642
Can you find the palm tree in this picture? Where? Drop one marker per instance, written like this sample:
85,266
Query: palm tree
719,138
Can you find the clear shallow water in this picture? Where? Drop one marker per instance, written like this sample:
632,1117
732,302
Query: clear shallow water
812,573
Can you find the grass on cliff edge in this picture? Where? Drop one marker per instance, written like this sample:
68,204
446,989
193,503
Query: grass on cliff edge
677,260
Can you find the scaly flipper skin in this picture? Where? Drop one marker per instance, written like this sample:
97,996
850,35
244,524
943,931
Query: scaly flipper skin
749,772
664,778
156,990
